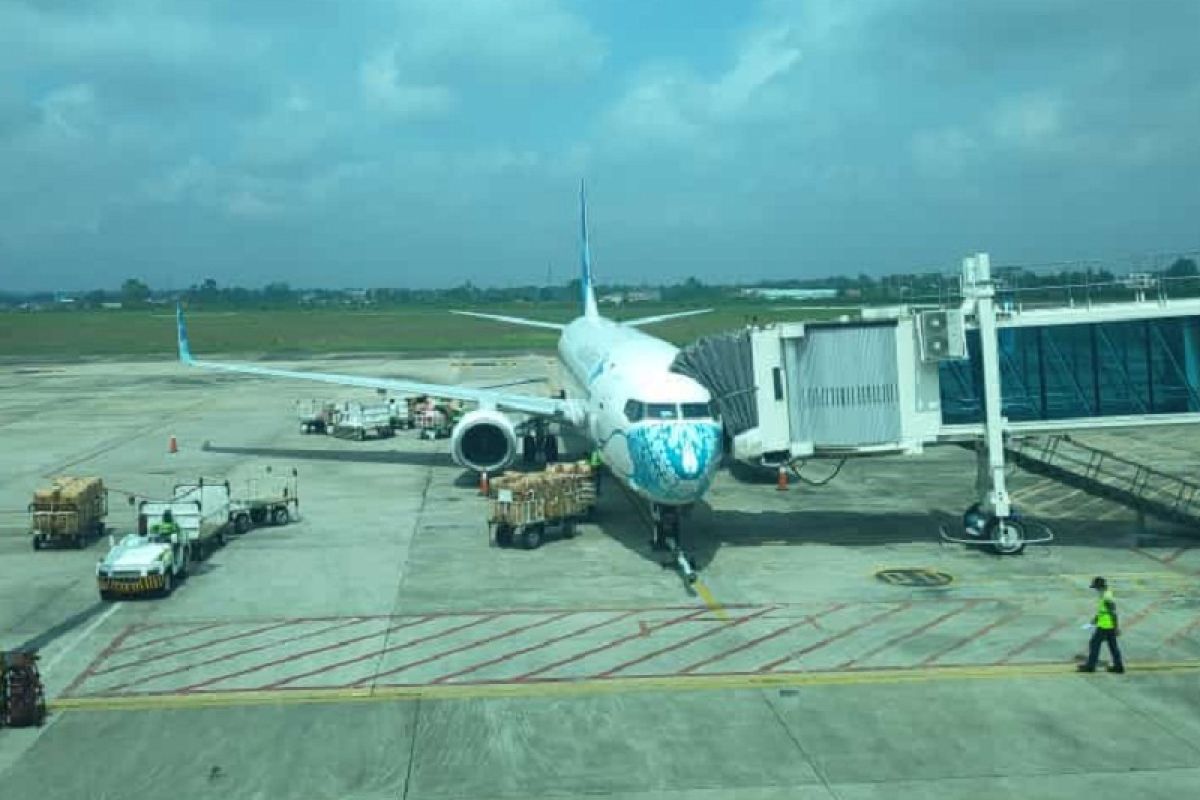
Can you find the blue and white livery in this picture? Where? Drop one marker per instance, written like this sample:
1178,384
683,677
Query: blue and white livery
656,429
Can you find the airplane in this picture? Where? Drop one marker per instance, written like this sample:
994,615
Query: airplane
657,431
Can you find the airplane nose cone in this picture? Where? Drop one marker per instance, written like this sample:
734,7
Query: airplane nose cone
674,463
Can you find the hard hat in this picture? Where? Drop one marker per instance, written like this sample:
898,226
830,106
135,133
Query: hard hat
1098,583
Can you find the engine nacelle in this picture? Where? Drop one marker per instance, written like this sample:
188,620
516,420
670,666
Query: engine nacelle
484,440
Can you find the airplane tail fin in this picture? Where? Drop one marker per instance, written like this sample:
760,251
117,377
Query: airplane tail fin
585,257
185,349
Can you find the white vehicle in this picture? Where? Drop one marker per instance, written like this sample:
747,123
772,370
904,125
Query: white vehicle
656,429
314,415
201,510
142,564
356,420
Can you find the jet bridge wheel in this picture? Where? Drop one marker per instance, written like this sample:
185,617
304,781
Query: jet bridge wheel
1007,535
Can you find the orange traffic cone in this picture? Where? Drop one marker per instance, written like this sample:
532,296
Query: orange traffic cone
782,483
483,484
172,445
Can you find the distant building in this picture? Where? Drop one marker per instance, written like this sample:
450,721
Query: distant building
111,306
643,296
767,293
614,299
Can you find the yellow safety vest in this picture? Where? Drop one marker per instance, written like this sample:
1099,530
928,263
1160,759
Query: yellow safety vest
596,459
1104,617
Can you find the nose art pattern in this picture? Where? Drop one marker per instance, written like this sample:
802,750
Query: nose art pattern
672,461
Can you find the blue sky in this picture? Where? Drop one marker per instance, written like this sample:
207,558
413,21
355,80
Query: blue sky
424,143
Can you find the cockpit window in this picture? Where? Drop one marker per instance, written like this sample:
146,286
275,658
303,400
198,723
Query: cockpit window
662,411
635,411
698,411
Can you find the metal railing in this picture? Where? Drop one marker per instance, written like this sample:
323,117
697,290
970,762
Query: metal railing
1101,472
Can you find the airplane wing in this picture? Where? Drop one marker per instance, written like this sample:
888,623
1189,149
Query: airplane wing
664,317
530,323
565,410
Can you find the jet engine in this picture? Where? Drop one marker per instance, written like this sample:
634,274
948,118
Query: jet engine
484,440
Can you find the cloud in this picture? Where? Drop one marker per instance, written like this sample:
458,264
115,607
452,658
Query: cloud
1031,122
505,41
385,91
719,139
672,105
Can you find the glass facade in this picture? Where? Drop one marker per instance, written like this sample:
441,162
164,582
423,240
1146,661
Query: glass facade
1082,370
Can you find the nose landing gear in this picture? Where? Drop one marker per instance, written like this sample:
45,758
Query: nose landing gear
668,538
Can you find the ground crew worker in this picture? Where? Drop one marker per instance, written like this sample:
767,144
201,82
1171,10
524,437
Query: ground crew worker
1107,629
596,461
166,527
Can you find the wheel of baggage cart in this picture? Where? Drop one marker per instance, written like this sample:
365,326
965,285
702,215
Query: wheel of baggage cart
37,541
362,434
241,523
531,536
504,535
25,699
280,515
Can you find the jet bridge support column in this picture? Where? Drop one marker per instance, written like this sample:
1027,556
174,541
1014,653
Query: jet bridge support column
1006,533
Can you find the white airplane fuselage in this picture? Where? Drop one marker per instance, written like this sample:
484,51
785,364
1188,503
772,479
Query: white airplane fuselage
654,428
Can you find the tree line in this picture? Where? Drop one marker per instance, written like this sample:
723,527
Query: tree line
135,293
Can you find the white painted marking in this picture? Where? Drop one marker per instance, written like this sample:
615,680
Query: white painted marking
88,631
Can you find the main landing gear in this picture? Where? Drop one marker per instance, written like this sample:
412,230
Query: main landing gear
539,443
668,538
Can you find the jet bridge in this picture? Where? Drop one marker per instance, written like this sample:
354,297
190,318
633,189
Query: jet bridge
896,380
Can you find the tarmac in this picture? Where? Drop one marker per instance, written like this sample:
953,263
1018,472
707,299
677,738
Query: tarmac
380,647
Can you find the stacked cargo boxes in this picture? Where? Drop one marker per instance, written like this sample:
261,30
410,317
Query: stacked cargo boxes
70,511
561,491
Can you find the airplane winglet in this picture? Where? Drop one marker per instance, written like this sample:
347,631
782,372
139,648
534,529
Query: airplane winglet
185,350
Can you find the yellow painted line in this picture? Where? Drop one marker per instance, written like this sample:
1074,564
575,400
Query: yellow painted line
713,604
595,687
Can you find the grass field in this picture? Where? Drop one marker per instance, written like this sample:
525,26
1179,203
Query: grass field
79,334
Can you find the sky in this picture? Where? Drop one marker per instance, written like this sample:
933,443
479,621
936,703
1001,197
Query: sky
425,143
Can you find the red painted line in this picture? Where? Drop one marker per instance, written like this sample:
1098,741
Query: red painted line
211,642
991,626
461,648
377,654
90,670
216,659
1183,632
307,653
809,620
140,645
831,639
1141,615
611,644
933,623
1169,559
532,647
1046,634
685,642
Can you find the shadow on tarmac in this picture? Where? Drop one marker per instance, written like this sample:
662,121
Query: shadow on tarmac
708,530
404,457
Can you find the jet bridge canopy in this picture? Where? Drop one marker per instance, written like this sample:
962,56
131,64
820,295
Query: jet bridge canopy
898,379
